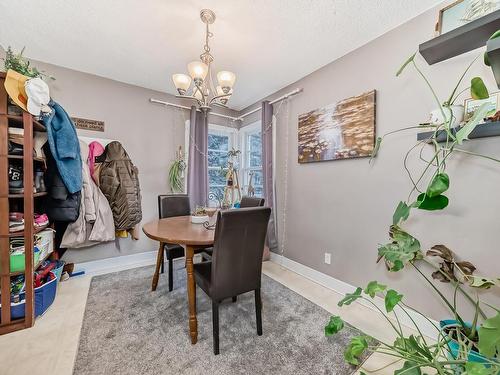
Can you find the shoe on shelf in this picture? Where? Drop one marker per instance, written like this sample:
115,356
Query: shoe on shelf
16,246
16,222
15,179
15,148
41,221
39,182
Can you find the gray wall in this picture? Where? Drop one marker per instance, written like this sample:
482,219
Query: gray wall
149,132
345,207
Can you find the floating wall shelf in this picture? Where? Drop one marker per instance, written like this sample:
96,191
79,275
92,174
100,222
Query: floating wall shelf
488,129
460,40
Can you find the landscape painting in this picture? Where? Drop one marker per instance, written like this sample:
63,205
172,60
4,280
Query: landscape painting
342,130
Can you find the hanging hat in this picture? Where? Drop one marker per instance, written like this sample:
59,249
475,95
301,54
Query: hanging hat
38,96
14,85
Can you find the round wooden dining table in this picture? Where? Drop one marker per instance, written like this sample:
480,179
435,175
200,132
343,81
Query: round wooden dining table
180,230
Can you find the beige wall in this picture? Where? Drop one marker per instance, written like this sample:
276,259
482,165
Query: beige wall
344,207
149,132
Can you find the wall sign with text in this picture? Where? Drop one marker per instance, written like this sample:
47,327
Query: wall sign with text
86,124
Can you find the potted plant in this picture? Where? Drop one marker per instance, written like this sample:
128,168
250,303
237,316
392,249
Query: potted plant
464,344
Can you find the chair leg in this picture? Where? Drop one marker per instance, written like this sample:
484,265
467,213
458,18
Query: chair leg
258,311
163,262
170,274
235,298
215,325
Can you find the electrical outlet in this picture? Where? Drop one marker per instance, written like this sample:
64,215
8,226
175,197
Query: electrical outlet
328,258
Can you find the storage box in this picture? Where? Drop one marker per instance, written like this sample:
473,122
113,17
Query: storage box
44,240
44,297
17,261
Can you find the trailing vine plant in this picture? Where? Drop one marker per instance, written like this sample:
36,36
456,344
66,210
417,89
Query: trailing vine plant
463,345
176,172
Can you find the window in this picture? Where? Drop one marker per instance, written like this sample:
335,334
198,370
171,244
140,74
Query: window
251,141
220,141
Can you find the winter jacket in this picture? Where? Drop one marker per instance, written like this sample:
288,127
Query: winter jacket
63,141
59,205
95,222
119,181
95,150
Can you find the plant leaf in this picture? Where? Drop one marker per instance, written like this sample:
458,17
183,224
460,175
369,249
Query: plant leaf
489,337
355,349
483,282
405,64
440,183
334,326
376,148
476,368
392,298
467,268
478,89
432,203
350,297
402,250
441,251
402,212
373,288
478,117
406,369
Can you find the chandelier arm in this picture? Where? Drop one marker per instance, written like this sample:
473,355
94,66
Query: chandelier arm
219,97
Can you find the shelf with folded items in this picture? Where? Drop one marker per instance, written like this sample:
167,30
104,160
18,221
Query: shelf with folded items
20,157
35,195
16,121
21,232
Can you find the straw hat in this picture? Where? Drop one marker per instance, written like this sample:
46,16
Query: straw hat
14,85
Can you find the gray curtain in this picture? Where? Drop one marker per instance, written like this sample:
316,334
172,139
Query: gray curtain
197,186
267,170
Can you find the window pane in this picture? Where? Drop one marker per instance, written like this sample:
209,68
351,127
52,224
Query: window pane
217,159
258,179
218,142
216,177
259,191
255,142
255,159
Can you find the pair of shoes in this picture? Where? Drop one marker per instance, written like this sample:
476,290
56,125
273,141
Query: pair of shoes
41,221
16,221
16,246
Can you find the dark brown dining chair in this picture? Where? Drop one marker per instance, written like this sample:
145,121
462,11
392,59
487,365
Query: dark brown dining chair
236,265
247,201
171,205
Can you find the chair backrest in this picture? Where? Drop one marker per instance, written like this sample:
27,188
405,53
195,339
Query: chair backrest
238,250
247,201
170,205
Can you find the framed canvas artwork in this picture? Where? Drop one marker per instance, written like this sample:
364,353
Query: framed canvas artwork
341,130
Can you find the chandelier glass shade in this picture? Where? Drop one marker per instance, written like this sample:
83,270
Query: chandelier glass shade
199,85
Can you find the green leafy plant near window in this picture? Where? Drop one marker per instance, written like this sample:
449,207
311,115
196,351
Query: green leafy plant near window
18,63
176,173
468,345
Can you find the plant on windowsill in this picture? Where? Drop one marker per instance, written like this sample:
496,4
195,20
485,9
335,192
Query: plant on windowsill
463,345
176,172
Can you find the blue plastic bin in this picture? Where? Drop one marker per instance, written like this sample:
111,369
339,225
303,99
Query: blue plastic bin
44,297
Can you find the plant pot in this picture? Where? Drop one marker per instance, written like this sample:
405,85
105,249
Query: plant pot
457,111
473,355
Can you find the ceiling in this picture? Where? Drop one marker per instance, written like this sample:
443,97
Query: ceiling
267,43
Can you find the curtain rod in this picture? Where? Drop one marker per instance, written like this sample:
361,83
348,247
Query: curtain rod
286,96
185,107
240,118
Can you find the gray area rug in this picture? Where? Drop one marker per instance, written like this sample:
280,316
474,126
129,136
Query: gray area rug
128,329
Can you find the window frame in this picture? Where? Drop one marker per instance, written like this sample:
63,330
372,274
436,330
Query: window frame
244,135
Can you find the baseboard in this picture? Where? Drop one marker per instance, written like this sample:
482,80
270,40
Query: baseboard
116,264
341,287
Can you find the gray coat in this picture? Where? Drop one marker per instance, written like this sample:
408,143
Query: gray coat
95,221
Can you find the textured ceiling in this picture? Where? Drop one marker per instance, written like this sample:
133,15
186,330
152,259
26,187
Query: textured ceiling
267,43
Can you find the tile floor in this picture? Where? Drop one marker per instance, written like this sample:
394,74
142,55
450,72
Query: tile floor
23,353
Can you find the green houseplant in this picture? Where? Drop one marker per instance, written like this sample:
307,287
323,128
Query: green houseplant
464,344
176,172
18,63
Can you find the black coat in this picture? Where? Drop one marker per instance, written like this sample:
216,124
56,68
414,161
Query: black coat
59,205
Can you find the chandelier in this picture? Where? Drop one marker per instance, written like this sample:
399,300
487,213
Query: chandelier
204,92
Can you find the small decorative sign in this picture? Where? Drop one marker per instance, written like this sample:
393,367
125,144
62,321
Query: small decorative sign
86,124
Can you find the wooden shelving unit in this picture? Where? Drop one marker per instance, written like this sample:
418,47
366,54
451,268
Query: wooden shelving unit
460,40
26,122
